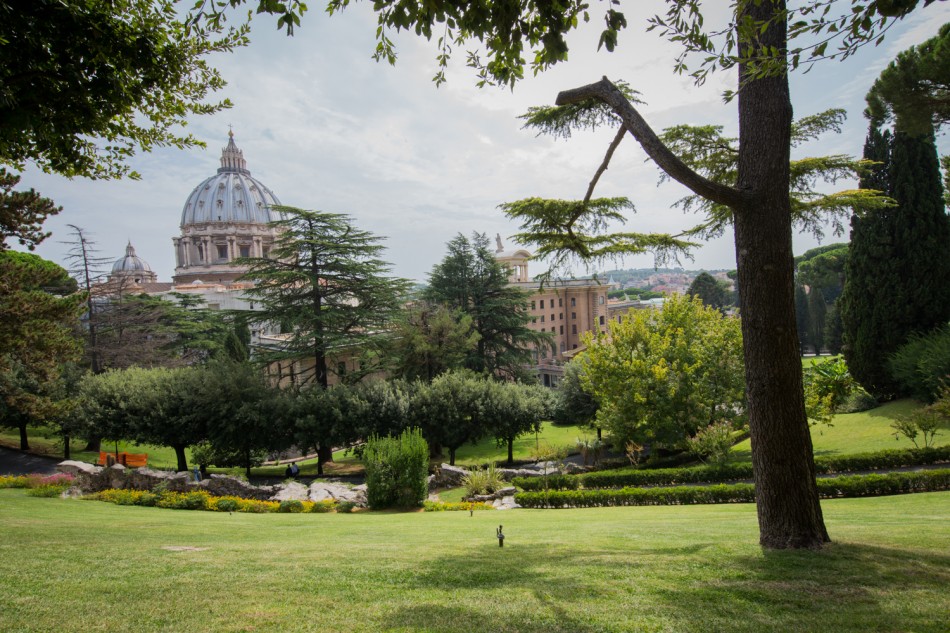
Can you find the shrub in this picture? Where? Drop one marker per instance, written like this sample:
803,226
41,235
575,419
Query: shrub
258,507
14,481
483,481
439,506
322,507
831,487
554,482
226,504
859,400
345,506
397,470
713,443
195,500
46,491
290,506
922,364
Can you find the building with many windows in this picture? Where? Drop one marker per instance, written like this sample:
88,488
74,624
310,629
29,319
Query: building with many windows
565,308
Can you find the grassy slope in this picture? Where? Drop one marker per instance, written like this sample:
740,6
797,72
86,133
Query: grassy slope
69,565
858,432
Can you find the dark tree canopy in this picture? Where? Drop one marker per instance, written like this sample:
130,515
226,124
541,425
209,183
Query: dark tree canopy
473,282
709,290
22,213
84,84
324,280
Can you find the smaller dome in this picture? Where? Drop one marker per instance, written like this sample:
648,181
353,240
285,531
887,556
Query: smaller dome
130,263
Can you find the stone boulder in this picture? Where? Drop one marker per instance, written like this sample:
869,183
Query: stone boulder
228,486
323,490
495,496
510,473
448,476
291,490
74,468
148,479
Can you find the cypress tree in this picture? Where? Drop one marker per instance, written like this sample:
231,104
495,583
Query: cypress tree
898,275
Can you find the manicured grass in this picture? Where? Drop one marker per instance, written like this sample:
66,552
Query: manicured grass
487,450
69,565
808,361
863,432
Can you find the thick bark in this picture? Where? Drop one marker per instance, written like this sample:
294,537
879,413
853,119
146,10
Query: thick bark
451,456
180,456
325,454
66,446
786,493
787,502
511,453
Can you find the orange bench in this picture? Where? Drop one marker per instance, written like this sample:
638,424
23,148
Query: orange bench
129,460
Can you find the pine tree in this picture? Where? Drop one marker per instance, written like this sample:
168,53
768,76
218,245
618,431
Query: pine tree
472,281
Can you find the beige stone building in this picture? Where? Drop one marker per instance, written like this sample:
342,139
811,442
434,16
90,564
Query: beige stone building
567,309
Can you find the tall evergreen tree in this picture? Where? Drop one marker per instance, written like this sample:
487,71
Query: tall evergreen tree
816,317
709,290
472,281
324,280
898,276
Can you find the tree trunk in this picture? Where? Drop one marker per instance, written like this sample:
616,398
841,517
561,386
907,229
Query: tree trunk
511,453
325,454
787,501
66,446
24,441
247,462
180,456
451,457
93,445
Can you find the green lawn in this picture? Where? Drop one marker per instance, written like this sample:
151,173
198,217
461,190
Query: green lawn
69,565
863,432
554,435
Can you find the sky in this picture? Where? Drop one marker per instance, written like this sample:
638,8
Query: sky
326,127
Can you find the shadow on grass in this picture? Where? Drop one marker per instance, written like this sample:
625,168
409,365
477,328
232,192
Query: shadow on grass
533,589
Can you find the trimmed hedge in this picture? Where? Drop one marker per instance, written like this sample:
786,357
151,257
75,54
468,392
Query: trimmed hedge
894,458
201,500
830,488
440,506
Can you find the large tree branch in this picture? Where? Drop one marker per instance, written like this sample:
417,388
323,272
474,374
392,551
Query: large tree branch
603,166
607,92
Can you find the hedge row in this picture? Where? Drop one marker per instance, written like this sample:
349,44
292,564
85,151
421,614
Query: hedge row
836,487
201,500
895,458
466,506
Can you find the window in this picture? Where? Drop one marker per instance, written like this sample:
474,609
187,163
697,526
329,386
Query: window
601,299
573,302
602,320
562,347
542,318
222,251
560,303
201,252
266,251
341,369
245,251
542,304
573,316
562,330
561,316
574,329
552,317
532,305
552,329
534,320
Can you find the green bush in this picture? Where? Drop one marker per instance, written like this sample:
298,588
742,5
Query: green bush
46,491
859,400
922,364
483,481
881,460
224,504
831,487
322,507
397,470
555,482
345,506
290,506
